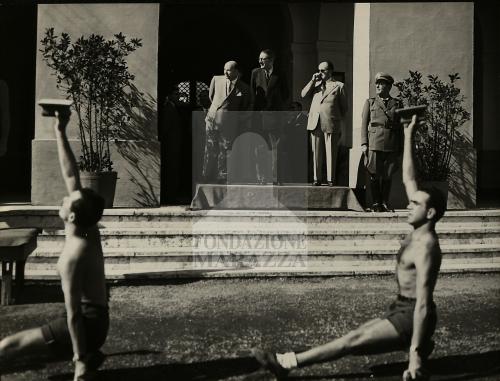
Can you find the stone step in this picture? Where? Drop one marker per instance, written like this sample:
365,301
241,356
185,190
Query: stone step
366,248
165,270
171,216
183,258
173,242
282,229
282,238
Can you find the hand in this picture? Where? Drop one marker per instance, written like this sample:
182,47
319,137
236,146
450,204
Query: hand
316,77
62,119
414,123
82,372
420,375
364,148
415,370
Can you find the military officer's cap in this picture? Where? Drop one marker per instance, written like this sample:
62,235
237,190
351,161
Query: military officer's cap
384,77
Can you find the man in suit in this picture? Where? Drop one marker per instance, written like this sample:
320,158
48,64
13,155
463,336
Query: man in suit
229,96
328,109
269,94
381,140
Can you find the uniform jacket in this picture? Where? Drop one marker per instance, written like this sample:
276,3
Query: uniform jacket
222,112
328,107
380,127
269,95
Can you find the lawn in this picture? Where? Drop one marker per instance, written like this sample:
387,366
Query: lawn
202,330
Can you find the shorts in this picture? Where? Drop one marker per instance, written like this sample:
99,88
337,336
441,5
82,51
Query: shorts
380,163
400,315
95,322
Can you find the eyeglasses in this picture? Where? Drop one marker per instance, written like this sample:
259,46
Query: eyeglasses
263,59
323,70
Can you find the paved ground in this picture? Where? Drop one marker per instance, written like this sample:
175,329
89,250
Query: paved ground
202,330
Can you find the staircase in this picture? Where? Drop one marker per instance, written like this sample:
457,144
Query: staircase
173,242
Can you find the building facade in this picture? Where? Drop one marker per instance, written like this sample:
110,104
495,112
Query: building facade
189,43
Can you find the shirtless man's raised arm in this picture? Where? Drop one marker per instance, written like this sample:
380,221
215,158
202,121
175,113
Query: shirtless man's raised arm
67,159
409,172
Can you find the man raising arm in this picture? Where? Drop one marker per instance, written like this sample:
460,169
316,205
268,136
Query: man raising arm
411,319
81,267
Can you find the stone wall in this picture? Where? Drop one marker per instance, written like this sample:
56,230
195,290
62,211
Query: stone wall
136,157
433,38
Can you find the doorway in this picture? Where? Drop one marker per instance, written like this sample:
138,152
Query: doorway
194,43
17,70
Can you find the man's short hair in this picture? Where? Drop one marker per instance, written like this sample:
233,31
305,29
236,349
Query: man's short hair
330,66
88,209
436,200
269,52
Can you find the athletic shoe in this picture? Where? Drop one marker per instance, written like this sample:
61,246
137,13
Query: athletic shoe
268,361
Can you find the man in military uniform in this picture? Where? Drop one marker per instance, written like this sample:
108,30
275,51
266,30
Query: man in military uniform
381,140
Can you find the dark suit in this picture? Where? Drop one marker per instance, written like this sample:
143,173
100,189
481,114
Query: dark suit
269,95
222,124
328,109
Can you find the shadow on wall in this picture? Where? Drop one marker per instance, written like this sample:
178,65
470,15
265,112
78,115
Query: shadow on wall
135,141
462,184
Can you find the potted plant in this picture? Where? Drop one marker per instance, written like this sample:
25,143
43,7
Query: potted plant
93,72
435,142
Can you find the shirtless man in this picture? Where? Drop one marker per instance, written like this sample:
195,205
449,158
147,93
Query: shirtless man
411,318
81,267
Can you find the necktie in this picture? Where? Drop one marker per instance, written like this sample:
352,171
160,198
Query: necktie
229,87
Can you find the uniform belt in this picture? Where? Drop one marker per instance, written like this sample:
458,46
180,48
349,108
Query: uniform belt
388,127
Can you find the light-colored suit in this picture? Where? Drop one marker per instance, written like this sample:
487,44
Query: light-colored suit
222,123
328,109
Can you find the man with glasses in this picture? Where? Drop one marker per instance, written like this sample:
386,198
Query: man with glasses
328,109
269,94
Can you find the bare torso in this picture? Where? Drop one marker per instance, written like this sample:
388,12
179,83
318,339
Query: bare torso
411,247
88,251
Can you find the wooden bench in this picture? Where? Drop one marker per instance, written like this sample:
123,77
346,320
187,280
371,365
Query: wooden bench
15,247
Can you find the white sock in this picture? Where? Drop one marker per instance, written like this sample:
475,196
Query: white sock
287,360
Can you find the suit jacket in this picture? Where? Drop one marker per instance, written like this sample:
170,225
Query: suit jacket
223,110
269,95
380,128
328,107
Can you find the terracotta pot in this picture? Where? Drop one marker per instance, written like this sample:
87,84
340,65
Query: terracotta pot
104,183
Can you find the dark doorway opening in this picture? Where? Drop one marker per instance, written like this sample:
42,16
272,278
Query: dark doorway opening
486,100
194,43
17,69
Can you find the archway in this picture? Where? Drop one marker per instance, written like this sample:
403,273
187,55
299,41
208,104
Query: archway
195,42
